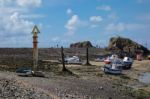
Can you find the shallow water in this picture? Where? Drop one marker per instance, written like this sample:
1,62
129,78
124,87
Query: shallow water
145,78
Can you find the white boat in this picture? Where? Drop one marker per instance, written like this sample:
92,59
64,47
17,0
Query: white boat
100,59
127,62
114,68
107,60
110,59
73,60
110,70
113,57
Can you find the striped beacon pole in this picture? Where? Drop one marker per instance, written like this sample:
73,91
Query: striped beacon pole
35,32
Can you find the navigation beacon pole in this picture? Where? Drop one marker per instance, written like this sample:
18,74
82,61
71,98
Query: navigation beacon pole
35,32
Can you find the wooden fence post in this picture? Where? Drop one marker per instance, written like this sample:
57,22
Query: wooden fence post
87,56
63,61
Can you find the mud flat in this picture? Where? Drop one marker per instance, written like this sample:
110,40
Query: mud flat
88,82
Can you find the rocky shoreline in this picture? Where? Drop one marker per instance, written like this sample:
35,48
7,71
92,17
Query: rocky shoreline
13,89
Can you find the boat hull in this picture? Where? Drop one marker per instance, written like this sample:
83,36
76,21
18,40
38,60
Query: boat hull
112,71
127,65
107,62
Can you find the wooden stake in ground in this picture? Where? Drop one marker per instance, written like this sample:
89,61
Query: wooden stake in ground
63,61
35,32
87,56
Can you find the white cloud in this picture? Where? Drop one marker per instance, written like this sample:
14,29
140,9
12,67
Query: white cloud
23,3
96,18
5,2
104,7
32,16
94,26
6,11
137,27
69,11
73,24
15,24
119,27
29,3
130,27
112,16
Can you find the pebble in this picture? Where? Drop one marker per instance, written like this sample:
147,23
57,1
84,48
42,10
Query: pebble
10,89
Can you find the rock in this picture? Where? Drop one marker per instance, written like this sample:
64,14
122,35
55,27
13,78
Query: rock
83,44
126,45
39,74
11,89
101,88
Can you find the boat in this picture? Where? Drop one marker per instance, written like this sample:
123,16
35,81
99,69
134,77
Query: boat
107,60
127,61
111,58
108,69
114,68
100,59
24,71
73,60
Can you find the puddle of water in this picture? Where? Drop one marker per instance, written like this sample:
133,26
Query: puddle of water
145,78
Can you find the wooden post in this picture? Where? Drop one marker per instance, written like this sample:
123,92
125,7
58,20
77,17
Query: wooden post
63,61
87,56
35,53
35,31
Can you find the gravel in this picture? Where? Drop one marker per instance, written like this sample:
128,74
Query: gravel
59,87
11,88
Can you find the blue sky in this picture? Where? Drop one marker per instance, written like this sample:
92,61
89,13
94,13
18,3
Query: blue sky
66,21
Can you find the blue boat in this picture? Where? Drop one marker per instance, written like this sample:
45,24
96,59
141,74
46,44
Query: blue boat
114,68
112,71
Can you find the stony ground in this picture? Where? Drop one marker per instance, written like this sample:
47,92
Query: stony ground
12,88
89,82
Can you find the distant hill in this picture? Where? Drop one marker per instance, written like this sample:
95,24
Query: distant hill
126,45
83,44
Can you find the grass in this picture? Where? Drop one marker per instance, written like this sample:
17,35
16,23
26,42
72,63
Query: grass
125,77
99,74
65,73
141,94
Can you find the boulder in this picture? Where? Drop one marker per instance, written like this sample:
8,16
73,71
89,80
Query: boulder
126,45
83,44
38,74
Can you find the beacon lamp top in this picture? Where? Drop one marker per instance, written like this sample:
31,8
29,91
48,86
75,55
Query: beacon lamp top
35,31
